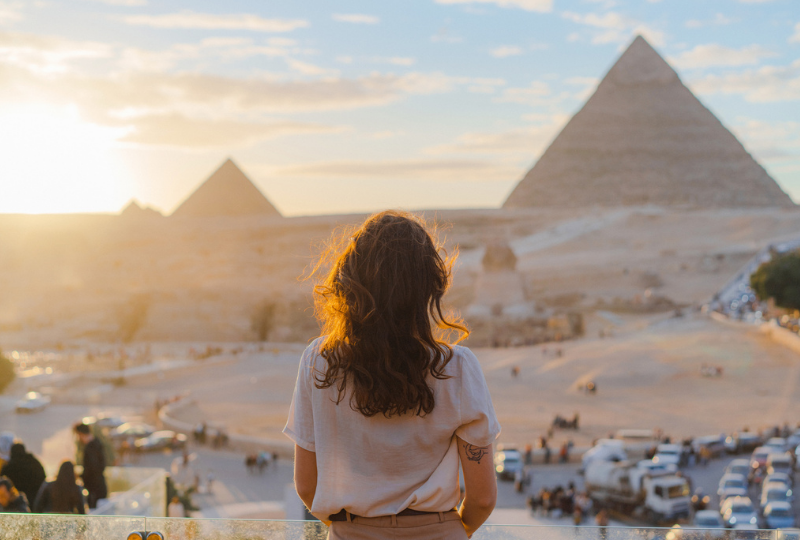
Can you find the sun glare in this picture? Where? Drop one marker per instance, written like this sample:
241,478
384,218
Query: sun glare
54,162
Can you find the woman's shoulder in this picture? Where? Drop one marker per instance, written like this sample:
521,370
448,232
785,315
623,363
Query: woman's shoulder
463,359
311,352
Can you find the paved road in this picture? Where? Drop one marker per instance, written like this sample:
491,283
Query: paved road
551,476
48,435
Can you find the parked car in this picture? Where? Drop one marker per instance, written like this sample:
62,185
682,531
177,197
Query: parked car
507,462
778,443
780,463
161,440
32,402
779,478
758,459
714,443
668,454
711,521
105,421
778,515
775,492
731,485
744,441
738,511
794,439
135,430
738,466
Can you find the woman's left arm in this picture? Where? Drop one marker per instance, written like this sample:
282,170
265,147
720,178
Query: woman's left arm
305,474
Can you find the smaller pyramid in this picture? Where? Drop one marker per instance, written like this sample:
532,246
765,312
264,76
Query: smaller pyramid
134,210
227,192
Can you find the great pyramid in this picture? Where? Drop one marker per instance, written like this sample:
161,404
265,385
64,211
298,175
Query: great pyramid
644,138
227,192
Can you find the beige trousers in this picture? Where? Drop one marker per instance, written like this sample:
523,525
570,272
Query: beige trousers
441,526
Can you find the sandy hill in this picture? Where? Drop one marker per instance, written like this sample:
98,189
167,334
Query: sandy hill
68,278
227,192
644,138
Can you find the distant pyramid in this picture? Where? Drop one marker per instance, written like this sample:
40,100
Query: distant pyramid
227,192
644,138
133,210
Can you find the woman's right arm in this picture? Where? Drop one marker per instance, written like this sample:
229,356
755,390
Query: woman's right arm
480,484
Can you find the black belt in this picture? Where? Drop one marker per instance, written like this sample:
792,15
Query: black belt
341,515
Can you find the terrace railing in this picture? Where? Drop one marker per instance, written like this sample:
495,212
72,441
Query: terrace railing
57,527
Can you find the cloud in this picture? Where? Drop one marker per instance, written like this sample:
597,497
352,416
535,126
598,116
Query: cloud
309,69
718,20
703,56
439,170
356,18
395,60
225,48
542,6
769,141
505,51
212,21
795,38
10,12
613,27
527,141
763,85
182,131
47,54
127,3
536,94
589,85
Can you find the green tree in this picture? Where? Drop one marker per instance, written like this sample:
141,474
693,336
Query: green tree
7,374
779,278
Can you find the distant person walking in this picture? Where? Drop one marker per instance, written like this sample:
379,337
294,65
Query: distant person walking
94,464
61,496
24,470
384,407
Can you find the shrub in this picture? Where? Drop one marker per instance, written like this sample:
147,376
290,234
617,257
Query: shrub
779,278
7,374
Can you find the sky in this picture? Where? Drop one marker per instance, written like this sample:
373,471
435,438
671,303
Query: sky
354,105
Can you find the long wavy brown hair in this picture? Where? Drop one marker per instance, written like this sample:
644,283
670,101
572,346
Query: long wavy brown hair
380,305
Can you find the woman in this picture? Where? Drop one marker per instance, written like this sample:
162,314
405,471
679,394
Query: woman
384,408
61,496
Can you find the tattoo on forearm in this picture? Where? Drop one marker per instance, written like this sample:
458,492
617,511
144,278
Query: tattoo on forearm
475,453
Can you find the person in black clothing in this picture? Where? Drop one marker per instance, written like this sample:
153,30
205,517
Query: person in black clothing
61,496
94,463
24,470
12,500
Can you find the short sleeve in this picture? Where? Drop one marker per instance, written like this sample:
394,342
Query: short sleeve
479,425
300,425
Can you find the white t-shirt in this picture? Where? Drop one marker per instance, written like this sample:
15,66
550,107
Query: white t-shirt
176,510
378,466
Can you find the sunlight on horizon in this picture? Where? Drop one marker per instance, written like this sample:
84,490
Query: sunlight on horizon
56,162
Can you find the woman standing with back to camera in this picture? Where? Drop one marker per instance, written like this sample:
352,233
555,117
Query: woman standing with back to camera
384,409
